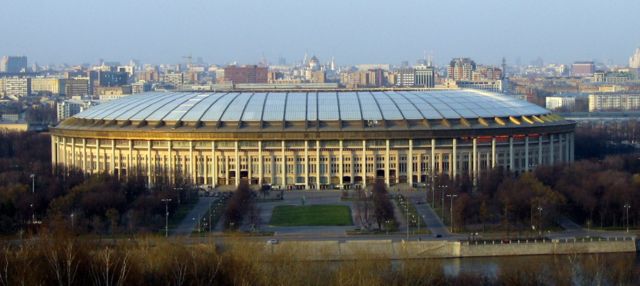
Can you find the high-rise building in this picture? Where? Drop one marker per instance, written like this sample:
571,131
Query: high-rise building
47,84
15,87
461,69
614,102
406,77
71,107
560,102
245,74
425,76
634,60
11,64
583,69
76,87
175,79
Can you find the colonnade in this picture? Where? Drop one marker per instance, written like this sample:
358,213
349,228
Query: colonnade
311,163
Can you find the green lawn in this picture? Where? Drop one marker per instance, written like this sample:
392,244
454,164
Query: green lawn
312,215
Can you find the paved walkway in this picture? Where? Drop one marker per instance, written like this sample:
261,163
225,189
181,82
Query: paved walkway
190,222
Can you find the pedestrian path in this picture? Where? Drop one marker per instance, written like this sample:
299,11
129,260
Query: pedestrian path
190,222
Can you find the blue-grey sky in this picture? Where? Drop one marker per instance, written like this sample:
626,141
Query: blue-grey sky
353,31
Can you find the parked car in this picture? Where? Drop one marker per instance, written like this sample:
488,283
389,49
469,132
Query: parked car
272,241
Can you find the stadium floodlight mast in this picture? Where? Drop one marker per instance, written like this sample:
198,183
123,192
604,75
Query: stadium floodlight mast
166,216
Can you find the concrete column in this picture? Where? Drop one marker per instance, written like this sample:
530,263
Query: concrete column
97,150
526,153
386,164
419,169
551,150
539,150
149,156
432,162
113,157
129,168
560,148
341,165
284,165
73,152
260,164
215,168
511,167
192,164
571,148
84,155
54,145
493,152
237,161
205,168
474,159
410,163
171,168
364,164
318,164
454,157
306,164
249,167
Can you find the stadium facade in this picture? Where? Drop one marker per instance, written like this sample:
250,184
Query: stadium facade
312,139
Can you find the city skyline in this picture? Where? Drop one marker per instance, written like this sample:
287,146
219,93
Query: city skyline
164,32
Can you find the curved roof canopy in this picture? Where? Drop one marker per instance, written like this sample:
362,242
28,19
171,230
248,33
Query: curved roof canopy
190,107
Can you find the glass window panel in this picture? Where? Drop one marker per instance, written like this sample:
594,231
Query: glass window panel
234,111
370,110
274,107
164,110
253,112
408,109
312,106
349,106
177,113
197,111
143,111
389,109
296,106
214,113
327,102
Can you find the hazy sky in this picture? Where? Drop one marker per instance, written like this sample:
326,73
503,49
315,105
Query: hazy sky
353,31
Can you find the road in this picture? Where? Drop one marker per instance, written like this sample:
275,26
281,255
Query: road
190,222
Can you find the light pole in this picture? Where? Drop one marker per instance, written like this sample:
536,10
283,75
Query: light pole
72,224
451,196
33,183
179,191
442,189
406,208
210,221
540,216
627,206
166,217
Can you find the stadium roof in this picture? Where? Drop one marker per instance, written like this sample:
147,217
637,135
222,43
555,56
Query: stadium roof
311,106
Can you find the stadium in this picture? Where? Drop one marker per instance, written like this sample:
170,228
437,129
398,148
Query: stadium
311,140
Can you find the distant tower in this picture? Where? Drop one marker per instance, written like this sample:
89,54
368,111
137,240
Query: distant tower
333,64
504,68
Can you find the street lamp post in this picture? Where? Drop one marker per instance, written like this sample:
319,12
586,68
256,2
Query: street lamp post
179,191
33,183
540,217
166,217
210,215
451,196
627,206
442,189
406,207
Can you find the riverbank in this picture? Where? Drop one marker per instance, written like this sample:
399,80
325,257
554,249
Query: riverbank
388,249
